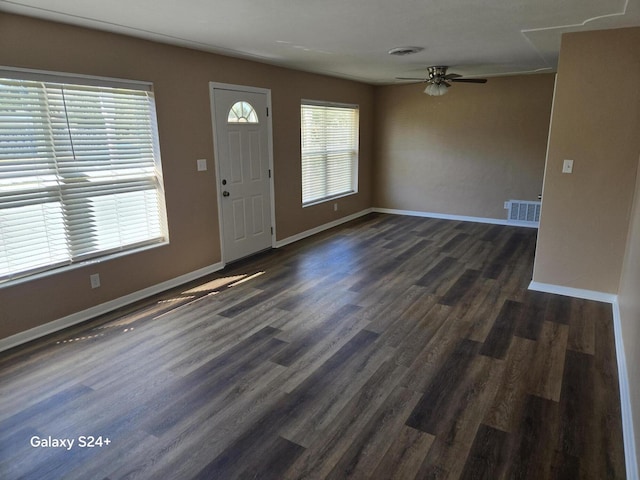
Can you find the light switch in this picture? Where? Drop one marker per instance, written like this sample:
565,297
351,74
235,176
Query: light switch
202,164
567,166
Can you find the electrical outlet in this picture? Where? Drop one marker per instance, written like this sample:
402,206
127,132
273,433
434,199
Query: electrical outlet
335,207
506,205
202,164
95,280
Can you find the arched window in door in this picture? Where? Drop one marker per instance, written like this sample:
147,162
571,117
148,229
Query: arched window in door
242,112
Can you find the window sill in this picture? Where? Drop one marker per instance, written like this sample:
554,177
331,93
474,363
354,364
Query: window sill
328,199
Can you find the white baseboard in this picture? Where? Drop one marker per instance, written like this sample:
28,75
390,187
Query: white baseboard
625,398
321,228
573,292
631,463
89,313
445,216
392,211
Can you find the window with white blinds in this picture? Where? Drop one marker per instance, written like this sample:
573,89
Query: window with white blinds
80,173
329,150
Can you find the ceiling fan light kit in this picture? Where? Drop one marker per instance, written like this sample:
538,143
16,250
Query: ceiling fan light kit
436,89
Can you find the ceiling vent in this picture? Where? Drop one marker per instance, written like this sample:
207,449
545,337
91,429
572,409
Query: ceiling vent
401,51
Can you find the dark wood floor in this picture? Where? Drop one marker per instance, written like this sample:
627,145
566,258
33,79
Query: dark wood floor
392,347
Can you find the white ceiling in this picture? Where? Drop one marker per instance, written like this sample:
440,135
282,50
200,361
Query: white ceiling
350,38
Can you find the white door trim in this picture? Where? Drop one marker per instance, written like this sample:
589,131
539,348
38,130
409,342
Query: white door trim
241,88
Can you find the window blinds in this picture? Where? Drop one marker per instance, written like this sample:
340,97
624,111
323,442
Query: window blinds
329,151
80,174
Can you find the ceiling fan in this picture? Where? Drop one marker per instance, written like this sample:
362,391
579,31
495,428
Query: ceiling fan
438,80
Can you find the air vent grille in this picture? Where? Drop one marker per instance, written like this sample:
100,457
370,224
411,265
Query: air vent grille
401,51
523,212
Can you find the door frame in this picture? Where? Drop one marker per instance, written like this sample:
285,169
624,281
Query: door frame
213,86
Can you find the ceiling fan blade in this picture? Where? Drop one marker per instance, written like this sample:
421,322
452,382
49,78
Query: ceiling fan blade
412,78
451,76
469,80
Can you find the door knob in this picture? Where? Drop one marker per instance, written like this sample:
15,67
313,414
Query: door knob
225,194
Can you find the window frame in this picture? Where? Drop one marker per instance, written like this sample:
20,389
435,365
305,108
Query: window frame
355,159
103,254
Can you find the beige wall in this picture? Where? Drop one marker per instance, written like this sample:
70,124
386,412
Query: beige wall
596,123
464,153
629,300
181,79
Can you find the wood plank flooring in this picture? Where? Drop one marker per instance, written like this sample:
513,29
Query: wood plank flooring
389,348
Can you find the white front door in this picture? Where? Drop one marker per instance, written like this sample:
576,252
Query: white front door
242,145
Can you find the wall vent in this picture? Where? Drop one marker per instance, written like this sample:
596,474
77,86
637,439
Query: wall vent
524,212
